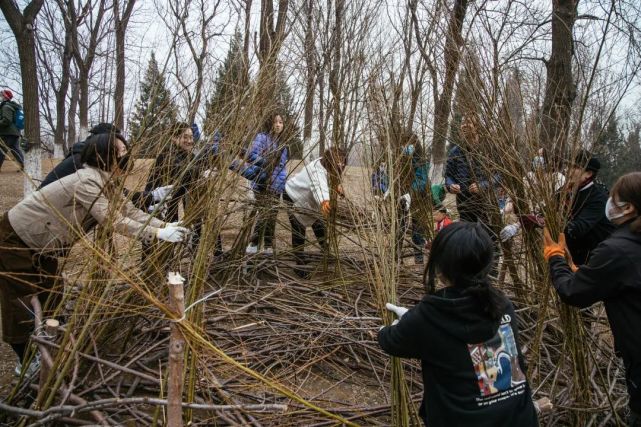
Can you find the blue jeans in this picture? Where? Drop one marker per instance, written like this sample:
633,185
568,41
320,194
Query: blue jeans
11,142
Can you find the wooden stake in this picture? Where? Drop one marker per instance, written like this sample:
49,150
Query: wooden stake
175,370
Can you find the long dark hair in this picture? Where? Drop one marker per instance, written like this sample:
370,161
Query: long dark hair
628,189
268,124
100,151
463,253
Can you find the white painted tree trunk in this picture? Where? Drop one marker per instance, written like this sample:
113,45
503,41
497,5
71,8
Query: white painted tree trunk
58,151
437,173
32,170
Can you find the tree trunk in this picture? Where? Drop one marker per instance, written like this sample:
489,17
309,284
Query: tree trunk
121,22
334,77
83,104
22,26
443,105
310,56
560,89
61,94
71,116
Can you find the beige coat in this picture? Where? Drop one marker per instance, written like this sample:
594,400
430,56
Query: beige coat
56,216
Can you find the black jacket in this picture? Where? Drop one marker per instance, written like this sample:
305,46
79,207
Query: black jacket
172,167
588,225
473,370
67,166
73,162
612,275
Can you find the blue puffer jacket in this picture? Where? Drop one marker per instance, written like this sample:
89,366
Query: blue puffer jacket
260,158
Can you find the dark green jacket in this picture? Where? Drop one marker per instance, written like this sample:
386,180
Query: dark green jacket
7,114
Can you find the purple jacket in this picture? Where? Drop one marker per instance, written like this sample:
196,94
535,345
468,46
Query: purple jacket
261,156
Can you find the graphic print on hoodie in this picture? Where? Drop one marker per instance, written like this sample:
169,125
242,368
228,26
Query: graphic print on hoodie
496,364
451,334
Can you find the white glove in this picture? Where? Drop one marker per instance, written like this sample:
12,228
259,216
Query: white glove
398,310
161,193
210,173
508,232
406,199
173,234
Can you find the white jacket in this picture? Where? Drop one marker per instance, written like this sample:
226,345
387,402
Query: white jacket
308,189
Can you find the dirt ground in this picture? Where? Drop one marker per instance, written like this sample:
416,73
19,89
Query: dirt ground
11,192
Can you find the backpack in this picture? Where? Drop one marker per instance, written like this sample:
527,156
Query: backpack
18,116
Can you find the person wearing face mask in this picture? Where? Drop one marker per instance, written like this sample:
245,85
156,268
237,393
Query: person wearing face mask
587,224
48,222
73,162
612,275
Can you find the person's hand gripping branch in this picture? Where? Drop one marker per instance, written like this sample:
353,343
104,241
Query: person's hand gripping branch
396,309
552,248
173,233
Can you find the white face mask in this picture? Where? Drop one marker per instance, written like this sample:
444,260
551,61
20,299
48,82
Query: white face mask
611,209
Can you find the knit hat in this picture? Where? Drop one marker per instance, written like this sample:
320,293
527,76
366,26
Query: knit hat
586,160
6,93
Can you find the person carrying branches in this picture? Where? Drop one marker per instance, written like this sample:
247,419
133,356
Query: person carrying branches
466,335
308,194
48,222
612,274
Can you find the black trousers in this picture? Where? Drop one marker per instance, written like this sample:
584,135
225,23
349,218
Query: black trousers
298,232
266,215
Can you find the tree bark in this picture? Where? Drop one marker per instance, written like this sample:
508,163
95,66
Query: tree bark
334,76
310,59
560,88
71,115
443,104
22,26
121,22
175,372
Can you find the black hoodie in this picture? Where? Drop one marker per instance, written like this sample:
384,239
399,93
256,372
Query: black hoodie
473,370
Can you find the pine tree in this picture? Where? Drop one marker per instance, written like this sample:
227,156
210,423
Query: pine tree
154,112
609,148
630,159
231,82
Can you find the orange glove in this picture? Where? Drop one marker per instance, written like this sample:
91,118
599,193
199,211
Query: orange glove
552,248
325,207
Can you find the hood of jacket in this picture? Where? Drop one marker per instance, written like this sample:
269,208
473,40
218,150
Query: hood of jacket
461,315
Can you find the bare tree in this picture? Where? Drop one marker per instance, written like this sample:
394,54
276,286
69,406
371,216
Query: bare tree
93,19
560,90
121,21
443,100
22,25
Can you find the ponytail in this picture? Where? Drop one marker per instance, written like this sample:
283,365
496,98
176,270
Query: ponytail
463,254
488,297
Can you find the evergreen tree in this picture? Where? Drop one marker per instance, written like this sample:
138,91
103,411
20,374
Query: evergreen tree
609,148
231,82
630,160
154,112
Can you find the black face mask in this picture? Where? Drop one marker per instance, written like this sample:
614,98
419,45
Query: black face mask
124,163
